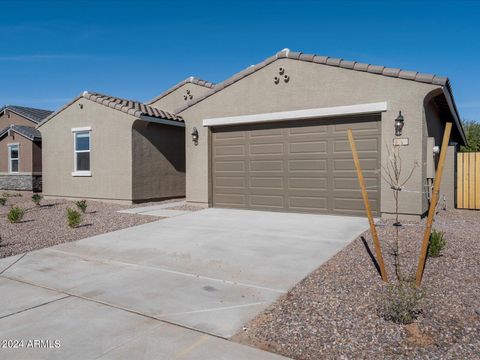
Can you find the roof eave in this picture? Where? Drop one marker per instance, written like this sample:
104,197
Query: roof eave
6,131
453,109
162,121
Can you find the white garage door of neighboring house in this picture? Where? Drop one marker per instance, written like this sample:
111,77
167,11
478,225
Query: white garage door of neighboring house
300,166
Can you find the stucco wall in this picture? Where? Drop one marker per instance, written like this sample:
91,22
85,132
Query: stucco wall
8,118
176,99
25,153
111,153
315,86
158,153
434,128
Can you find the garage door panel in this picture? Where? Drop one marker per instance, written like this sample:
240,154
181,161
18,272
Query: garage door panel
303,166
266,165
307,130
363,145
345,183
348,164
307,165
358,127
230,181
266,133
266,149
308,147
354,206
230,199
230,165
308,183
229,150
267,182
230,135
308,204
274,201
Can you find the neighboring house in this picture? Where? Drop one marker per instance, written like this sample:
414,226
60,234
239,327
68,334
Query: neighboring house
274,136
21,148
106,148
185,91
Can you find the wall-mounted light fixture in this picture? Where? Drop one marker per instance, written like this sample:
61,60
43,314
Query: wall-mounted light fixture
399,122
195,135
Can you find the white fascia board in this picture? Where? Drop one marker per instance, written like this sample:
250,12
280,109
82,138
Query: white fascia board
298,114
162,121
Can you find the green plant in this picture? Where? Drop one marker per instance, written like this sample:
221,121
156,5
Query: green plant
15,214
3,201
472,132
82,205
74,218
401,302
436,243
37,198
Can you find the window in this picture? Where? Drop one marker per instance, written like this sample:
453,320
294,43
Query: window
13,158
82,152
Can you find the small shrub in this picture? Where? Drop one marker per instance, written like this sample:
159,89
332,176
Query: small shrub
82,205
401,302
436,243
37,199
74,218
3,201
15,214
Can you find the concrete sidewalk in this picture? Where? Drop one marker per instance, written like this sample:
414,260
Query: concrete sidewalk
164,290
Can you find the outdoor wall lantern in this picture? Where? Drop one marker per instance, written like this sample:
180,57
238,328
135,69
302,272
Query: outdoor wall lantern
399,124
195,135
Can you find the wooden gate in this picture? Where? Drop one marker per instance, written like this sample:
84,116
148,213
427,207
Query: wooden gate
468,180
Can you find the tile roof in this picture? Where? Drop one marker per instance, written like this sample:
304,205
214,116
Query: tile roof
131,107
329,61
33,114
27,131
189,80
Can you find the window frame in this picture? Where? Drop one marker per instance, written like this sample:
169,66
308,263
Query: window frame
10,158
76,131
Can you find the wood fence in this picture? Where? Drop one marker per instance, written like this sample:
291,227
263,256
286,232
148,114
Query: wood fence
468,180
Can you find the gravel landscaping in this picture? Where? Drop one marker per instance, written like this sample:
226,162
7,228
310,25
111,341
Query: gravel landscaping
333,313
46,225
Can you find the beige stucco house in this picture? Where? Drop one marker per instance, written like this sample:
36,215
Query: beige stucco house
21,148
106,148
274,136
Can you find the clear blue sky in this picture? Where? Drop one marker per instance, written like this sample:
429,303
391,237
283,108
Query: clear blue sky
53,50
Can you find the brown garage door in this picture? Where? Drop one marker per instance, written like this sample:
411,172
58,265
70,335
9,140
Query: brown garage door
301,166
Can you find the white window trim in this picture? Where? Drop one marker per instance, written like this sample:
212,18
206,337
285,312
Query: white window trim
79,129
298,114
75,172
10,158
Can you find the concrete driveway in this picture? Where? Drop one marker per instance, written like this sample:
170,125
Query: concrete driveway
171,289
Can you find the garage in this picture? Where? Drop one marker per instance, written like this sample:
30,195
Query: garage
297,166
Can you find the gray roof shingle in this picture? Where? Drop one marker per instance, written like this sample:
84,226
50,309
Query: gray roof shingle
27,131
189,80
33,114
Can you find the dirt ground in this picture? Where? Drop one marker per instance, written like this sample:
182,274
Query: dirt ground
46,225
